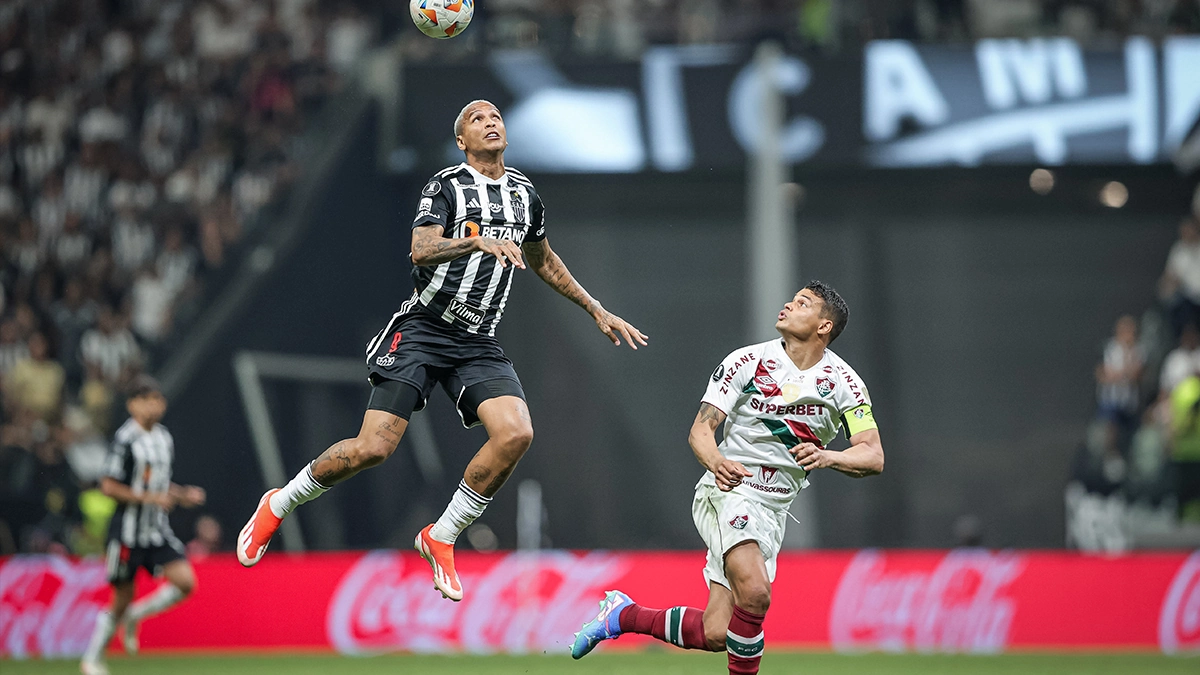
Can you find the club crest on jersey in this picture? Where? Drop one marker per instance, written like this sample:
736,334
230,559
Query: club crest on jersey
432,188
769,474
518,206
825,386
739,522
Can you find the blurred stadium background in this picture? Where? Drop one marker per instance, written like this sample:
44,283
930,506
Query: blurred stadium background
218,192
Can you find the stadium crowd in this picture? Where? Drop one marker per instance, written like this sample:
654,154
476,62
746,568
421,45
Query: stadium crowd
1139,469
624,28
138,141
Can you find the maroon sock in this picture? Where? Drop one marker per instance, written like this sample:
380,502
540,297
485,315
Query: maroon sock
744,641
680,626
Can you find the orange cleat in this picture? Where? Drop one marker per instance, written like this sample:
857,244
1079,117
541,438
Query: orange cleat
441,558
254,537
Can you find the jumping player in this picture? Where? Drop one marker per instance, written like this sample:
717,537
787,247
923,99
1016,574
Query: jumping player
476,224
781,402
137,474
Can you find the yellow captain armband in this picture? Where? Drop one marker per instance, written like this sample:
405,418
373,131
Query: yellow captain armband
858,419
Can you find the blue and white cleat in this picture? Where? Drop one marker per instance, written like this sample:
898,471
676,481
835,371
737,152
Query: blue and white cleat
606,625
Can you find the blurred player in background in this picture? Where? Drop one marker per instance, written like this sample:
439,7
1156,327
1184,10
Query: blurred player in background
137,474
782,402
476,223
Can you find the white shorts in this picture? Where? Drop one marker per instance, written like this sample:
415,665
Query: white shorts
726,519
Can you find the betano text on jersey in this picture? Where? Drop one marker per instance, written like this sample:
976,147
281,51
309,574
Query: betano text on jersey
470,292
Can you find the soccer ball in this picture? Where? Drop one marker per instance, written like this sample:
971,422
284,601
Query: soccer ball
441,19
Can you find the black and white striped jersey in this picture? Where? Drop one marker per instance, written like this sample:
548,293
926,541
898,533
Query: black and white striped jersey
471,292
142,460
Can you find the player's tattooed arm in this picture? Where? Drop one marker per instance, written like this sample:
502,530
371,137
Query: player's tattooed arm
429,247
702,438
546,263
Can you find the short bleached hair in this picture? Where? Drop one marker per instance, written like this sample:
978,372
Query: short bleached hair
462,114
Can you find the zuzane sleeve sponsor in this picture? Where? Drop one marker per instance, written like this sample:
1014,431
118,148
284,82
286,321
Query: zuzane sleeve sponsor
727,381
853,401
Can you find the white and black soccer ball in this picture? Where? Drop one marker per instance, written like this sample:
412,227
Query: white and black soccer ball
442,19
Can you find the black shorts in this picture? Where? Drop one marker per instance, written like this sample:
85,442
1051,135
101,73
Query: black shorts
122,562
420,350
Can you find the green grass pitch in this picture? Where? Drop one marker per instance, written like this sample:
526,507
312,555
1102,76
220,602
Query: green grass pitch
627,663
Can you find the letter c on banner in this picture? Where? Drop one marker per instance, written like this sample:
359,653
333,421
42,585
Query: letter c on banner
802,136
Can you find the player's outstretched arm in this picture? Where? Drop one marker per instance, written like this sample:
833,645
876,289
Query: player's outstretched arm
429,247
188,496
703,440
115,489
863,458
546,263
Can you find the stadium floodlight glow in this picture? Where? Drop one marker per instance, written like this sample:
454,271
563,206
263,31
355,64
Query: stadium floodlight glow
1114,194
1041,181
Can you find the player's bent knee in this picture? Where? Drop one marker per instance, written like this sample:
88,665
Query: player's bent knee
521,438
756,598
714,638
369,452
514,440
186,586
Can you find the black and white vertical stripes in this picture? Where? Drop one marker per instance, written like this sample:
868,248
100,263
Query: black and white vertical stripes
142,460
472,291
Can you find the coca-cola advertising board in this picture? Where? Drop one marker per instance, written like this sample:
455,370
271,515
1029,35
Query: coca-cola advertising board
930,601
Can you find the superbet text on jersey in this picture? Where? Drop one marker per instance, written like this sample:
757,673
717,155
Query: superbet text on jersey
771,406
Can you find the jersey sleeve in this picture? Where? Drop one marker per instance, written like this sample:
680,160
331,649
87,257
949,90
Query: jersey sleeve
729,379
118,464
537,219
434,208
853,402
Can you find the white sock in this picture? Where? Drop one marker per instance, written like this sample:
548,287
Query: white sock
465,506
101,635
302,488
159,600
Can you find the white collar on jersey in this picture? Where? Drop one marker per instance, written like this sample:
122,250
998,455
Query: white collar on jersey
480,178
781,351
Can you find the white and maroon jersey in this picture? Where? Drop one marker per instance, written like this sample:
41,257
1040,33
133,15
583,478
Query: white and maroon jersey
771,405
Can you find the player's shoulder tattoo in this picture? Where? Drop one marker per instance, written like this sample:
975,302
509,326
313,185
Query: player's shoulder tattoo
711,413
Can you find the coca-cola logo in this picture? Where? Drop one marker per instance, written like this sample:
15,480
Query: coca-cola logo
1179,622
518,604
961,605
48,605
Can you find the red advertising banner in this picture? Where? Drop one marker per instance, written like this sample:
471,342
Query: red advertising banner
932,601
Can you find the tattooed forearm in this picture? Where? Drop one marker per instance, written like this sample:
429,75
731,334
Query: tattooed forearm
554,272
430,248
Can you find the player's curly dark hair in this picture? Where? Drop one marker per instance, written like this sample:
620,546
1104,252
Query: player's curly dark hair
835,307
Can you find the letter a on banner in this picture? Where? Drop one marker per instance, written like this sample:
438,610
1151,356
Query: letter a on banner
897,85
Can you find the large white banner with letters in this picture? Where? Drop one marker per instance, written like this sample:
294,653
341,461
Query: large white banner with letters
1043,101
